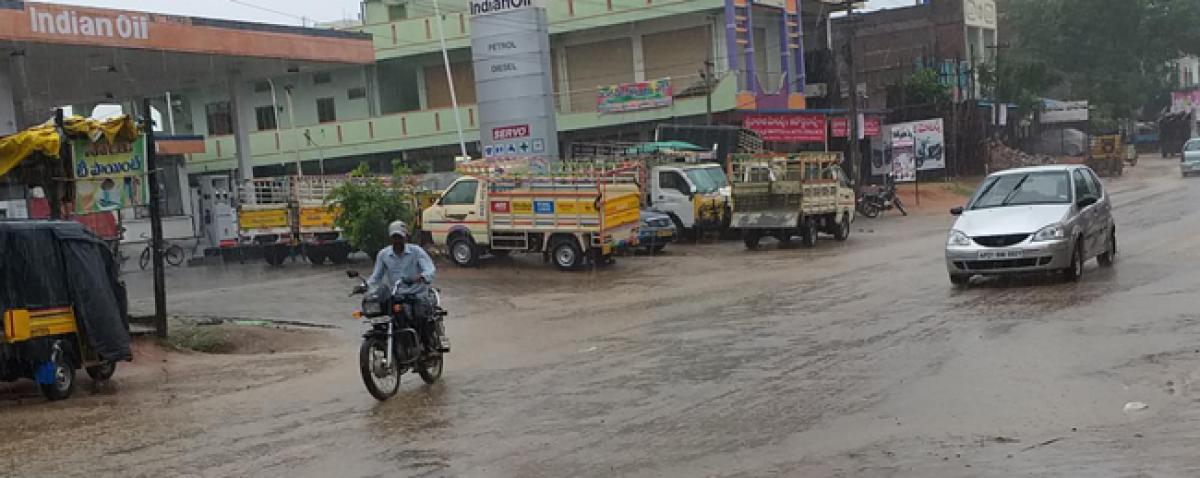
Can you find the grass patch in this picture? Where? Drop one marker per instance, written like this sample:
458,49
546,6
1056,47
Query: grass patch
201,338
963,187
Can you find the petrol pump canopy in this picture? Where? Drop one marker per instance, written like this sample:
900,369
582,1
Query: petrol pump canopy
64,54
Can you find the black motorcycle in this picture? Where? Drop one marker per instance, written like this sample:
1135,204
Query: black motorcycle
871,203
400,339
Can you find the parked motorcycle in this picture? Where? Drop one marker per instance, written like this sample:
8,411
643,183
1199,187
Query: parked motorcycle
398,339
872,203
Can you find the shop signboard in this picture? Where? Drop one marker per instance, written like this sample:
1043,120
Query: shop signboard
871,126
109,177
787,128
642,95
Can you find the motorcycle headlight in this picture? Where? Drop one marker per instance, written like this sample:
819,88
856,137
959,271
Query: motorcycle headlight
1052,232
371,307
957,238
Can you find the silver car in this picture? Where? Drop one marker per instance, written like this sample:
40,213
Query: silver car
1040,219
1190,164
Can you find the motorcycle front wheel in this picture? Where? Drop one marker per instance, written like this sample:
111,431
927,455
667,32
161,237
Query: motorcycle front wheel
381,378
868,209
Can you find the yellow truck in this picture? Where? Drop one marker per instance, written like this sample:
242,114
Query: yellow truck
569,218
320,238
265,220
783,196
290,214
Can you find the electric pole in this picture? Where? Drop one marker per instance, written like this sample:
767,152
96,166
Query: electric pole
852,121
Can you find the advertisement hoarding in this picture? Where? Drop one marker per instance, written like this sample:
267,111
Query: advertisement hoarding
841,126
109,177
642,95
787,128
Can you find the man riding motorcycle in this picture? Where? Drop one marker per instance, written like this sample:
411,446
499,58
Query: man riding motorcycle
410,270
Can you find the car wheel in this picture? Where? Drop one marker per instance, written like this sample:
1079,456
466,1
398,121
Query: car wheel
960,280
1110,255
1075,271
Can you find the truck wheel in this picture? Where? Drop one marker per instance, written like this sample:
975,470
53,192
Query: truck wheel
463,252
316,256
751,238
566,255
808,233
842,232
340,255
275,255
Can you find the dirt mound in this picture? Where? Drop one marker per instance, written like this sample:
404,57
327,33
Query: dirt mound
1002,157
226,338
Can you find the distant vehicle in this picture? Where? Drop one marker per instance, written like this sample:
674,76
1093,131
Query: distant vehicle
656,231
1190,162
569,218
1039,219
791,195
872,202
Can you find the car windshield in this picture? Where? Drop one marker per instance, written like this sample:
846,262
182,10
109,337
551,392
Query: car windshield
718,176
1193,145
1049,187
703,180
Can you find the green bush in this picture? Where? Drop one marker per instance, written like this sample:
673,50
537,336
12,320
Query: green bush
367,205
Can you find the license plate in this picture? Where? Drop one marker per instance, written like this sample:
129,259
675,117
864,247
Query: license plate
664,233
994,255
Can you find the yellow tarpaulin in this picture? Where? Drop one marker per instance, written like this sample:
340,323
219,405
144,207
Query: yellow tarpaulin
44,138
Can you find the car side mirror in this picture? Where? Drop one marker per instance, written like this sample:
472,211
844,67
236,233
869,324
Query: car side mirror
956,211
441,200
351,274
1087,201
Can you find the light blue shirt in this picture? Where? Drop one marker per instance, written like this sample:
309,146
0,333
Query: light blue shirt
391,269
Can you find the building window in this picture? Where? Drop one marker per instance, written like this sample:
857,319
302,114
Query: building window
397,12
357,93
219,120
262,86
322,78
265,115
326,112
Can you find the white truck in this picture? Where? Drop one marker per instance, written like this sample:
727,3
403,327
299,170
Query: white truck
783,196
570,219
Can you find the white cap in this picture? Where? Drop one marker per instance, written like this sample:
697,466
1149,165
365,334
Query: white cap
397,227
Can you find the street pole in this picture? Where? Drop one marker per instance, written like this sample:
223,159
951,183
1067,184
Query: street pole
462,140
292,126
156,232
708,90
852,122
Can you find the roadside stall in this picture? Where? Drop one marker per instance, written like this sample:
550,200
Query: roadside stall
84,170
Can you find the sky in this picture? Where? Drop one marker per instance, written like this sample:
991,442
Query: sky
288,12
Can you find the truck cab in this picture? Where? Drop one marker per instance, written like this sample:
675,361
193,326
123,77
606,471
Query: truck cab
694,195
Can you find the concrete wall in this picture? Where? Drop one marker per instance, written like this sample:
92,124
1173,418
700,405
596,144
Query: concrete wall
8,106
305,93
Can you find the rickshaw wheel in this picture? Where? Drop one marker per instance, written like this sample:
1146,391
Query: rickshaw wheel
64,380
103,371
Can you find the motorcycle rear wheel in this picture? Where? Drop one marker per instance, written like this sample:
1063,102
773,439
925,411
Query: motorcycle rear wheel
382,382
430,368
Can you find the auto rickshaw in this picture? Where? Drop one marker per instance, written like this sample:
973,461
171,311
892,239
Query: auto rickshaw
62,305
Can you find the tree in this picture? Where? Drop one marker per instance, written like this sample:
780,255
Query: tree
1115,53
367,204
923,87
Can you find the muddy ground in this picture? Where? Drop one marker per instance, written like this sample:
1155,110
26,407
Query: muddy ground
853,359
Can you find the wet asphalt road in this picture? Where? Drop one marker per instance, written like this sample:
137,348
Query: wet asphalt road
853,359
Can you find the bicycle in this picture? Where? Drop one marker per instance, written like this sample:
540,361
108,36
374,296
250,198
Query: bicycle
172,254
